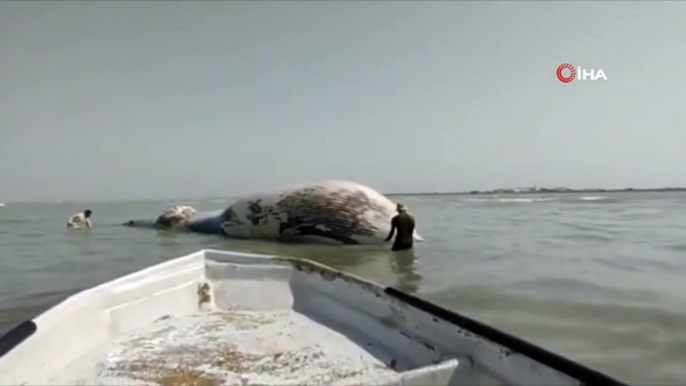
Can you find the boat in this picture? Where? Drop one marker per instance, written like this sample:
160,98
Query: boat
232,318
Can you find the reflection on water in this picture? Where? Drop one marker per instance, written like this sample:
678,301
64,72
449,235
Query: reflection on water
390,268
403,264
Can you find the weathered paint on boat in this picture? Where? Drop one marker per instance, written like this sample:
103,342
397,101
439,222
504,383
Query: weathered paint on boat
216,317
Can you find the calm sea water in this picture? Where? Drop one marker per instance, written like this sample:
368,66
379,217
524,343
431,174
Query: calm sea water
599,278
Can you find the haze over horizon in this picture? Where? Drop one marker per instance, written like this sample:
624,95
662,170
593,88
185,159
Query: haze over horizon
154,100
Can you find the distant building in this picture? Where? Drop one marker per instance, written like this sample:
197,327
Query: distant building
527,189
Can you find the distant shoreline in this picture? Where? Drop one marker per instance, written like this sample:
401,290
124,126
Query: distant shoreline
543,191
473,192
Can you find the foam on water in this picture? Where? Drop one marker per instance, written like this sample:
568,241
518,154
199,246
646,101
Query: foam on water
525,200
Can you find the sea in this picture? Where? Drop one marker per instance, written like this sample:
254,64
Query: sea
598,278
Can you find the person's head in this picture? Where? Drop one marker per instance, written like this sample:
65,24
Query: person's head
401,208
87,213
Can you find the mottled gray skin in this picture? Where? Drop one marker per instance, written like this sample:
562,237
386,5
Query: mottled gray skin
203,222
341,211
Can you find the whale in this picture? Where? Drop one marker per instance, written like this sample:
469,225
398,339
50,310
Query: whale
328,212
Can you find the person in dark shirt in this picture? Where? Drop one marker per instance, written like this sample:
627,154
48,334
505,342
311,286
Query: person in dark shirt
403,222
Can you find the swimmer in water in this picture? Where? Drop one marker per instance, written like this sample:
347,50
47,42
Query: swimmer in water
404,223
80,220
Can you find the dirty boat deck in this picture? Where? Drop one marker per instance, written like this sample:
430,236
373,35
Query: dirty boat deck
229,318
239,347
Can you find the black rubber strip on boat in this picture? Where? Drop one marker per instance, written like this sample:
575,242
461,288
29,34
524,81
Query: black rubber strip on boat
16,335
575,370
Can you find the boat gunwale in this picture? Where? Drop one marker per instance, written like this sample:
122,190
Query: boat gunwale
587,376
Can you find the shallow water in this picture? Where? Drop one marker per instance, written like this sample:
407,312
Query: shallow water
595,277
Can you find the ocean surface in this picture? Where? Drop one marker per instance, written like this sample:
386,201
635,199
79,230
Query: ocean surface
598,278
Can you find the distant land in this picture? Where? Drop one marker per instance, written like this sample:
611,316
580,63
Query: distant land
535,189
513,191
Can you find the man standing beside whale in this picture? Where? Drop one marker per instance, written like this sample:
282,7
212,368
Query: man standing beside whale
404,223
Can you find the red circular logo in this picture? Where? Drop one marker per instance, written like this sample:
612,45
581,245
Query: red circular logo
572,73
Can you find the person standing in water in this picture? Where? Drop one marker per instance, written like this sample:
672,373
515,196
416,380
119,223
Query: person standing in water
404,223
80,220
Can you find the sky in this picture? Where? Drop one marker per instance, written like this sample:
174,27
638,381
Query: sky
137,100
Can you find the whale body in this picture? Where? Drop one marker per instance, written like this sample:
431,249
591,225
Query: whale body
334,211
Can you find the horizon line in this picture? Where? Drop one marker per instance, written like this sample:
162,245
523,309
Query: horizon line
557,190
560,189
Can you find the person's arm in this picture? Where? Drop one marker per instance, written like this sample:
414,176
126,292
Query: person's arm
88,223
393,226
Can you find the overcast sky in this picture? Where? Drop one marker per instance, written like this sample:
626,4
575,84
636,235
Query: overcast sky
116,100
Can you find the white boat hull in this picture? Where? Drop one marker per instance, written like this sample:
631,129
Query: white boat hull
229,318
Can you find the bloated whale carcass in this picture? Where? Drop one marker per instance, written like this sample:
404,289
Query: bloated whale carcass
335,211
